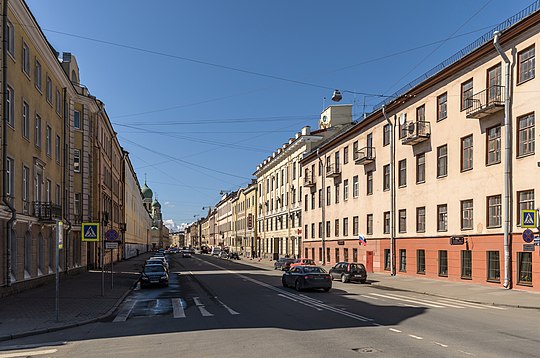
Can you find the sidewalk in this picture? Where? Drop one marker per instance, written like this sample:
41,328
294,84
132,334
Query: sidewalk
33,311
470,292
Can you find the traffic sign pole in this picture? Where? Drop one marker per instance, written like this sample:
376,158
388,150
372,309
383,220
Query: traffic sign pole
102,243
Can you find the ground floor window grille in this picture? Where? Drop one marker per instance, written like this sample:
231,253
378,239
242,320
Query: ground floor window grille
443,263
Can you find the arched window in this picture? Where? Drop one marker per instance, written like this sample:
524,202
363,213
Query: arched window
41,255
13,255
28,255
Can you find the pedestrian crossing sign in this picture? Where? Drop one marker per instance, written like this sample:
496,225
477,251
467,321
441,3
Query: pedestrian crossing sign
528,218
90,232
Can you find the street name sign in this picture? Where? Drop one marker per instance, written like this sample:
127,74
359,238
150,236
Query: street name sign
111,245
528,247
528,219
90,232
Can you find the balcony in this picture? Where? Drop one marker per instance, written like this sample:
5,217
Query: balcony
365,156
487,102
47,211
333,170
416,132
309,181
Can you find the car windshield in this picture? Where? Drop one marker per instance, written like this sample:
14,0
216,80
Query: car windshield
314,269
153,268
309,262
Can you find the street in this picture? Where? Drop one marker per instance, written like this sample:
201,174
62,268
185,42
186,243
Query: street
221,308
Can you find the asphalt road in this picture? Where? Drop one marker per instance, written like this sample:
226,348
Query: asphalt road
221,308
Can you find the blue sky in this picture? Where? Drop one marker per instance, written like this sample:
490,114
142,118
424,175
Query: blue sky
200,92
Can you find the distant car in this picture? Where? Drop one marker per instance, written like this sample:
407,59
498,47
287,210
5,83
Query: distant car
349,271
186,253
224,254
283,264
302,262
305,277
216,251
154,274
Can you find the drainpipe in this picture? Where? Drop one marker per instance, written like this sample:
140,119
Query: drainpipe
5,199
323,204
507,167
392,194
66,165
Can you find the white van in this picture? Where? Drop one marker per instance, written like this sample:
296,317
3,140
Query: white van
216,251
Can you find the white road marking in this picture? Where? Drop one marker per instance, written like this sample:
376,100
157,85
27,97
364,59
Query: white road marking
408,300
123,315
394,330
426,301
372,298
28,353
299,301
201,307
310,298
415,337
467,353
231,311
178,309
440,344
476,305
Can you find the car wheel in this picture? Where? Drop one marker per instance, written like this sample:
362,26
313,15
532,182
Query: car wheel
297,286
326,289
284,283
344,279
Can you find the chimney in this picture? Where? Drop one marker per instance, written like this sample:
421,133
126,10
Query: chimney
306,130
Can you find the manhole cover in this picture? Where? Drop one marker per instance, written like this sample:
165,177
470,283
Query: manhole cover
365,350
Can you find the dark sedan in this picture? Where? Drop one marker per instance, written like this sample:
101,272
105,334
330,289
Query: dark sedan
283,264
349,271
305,277
154,274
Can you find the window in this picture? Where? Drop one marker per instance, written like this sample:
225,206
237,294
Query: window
494,85
336,227
321,228
312,201
48,140
402,178
525,268
345,254
346,155
421,219
37,75
25,59
337,161
420,168
402,260
336,193
48,188
525,202
467,153
76,161
443,263
442,106
320,197
442,217
26,189
327,254
10,35
345,226
466,94
355,225
10,106
386,177
526,135
346,189
26,120
369,182
355,255
37,131
386,134
58,102
327,229
421,113
493,155
77,119
403,128
493,266
355,150
337,254
386,222
526,65
387,259
369,224
494,211
312,230
355,186
442,161
48,89
421,261
402,213
328,201
10,177
306,203
466,264
466,214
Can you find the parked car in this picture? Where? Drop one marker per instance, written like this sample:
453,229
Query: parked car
302,262
224,254
154,274
304,277
283,264
161,260
216,251
349,271
186,253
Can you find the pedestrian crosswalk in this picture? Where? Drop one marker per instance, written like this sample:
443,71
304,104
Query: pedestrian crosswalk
431,302
176,307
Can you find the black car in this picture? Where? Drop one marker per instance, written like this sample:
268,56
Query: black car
349,271
283,264
304,277
154,274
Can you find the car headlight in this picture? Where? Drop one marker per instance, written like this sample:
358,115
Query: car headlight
164,277
144,278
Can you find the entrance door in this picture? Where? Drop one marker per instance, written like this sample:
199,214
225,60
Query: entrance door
369,261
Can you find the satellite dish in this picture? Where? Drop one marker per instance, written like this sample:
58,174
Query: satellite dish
402,118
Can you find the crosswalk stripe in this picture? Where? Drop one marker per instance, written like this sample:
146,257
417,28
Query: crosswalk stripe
123,315
423,300
178,309
476,305
408,300
201,307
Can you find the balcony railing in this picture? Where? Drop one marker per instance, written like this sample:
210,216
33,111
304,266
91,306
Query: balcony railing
333,170
47,211
487,102
365,156
309,181
416,132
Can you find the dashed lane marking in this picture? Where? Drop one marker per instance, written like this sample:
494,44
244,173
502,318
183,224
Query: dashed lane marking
178,309
442,345
394,330
415,337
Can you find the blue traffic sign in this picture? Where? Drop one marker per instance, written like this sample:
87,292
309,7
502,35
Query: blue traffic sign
90,232
111,235
528,218
528,236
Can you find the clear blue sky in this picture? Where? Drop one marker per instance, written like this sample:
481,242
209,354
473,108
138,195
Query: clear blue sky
200,92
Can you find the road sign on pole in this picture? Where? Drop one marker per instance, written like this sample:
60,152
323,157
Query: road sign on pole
111,235
90,232
528,219
528,236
